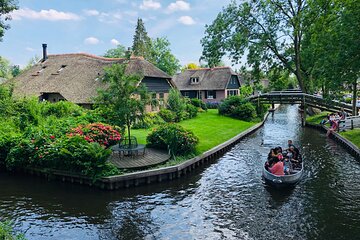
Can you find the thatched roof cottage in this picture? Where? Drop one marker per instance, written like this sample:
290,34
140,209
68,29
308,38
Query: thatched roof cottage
76,77
208,84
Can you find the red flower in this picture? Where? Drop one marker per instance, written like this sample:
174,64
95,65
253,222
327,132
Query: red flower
52,137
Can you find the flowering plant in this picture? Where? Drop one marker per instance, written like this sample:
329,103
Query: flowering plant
103,134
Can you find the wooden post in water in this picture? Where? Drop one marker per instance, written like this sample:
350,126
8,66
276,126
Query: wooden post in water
303,117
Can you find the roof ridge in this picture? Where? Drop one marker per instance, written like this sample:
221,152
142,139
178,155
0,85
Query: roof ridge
224,67
96,57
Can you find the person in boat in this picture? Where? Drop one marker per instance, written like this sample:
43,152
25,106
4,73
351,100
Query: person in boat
278,167
273,154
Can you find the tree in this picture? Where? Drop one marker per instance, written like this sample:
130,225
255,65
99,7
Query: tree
190,66
123,102
331,49
141,42
5,68
6,6
269,32
118,52
161,56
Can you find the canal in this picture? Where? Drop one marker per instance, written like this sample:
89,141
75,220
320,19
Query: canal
226,200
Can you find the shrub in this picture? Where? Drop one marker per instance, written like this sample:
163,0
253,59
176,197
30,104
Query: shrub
103,134
228,105
198,103
212,105
62,109
174,137
167,115
191,110
175,101
246,112
149,120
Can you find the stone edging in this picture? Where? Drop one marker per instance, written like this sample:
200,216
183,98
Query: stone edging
352,148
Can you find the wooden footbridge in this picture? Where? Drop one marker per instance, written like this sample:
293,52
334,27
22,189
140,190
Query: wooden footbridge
298,97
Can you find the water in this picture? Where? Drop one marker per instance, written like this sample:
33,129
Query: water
226,200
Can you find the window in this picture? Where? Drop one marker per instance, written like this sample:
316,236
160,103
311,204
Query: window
194,80
200,95
62,68
153,102
232,93
161,99
210,95
38,72
186,94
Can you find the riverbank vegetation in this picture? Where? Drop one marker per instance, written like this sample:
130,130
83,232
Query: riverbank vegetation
7,232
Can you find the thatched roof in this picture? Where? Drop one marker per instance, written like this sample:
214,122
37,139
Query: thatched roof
76,76
209,78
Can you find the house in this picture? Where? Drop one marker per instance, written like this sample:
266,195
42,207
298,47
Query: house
208,84
76,77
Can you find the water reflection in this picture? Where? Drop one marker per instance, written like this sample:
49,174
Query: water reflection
226,200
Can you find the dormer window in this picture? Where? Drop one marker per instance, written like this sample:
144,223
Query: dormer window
194,80
40,71
62,68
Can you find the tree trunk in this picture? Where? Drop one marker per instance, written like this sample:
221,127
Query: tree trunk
354,88
298,72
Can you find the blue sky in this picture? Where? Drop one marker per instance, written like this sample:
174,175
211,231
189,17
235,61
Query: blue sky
94,26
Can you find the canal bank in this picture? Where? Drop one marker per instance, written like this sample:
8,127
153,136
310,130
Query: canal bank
352,148
148,176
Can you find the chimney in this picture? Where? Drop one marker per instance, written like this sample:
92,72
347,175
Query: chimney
44,52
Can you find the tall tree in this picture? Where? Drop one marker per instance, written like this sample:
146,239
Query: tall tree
123,102
269,32
6,6
331,48
161,56
141,42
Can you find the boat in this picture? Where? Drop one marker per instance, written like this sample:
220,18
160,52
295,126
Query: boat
286,180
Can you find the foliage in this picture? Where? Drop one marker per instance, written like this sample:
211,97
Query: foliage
331,50
240,108
191,110
246,91
177,104
190,66
174,137
104,135
167,115
212,105
7,232
141,42
118,52
246,112
161,56
5,68
150,119
6,7
269,32
123,102
198,103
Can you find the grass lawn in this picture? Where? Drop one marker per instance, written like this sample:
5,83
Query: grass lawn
353,136
316,119
211,128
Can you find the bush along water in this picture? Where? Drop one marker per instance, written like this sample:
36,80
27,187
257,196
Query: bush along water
173,137
240,108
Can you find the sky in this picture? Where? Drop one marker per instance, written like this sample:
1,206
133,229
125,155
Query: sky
94,26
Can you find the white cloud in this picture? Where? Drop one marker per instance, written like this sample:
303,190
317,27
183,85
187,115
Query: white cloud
49,15
186,20
91,41
108,17
150,4
178,6
91,12
29,49
114,42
